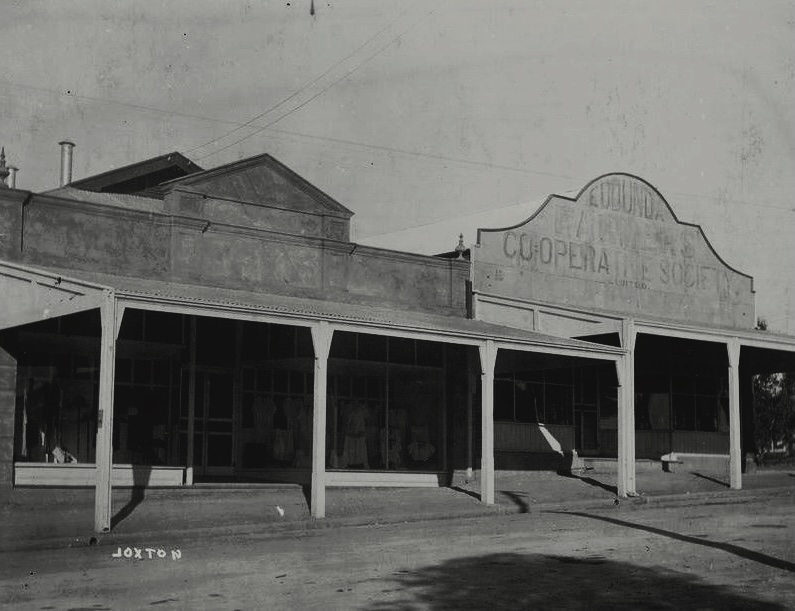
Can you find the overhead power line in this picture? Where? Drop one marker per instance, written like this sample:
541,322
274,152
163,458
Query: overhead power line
306,86
323,90
353,143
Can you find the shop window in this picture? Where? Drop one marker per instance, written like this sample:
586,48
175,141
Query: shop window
142,402
707,411
385,417
297,383
215,342
83,324
430,354
705,385
254,344
249,378
161,327
586,387
401,351
123,371
304,347
529,401
558,376
683,407
558,404
277,418
531,397
372,348
608,405
503,399
359,386
281,382
132,325
58,408
264,379
282,342
343,345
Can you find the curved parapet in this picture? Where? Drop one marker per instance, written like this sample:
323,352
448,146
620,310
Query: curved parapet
616,247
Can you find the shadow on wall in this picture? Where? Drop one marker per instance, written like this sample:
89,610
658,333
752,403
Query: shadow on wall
141,475
536,581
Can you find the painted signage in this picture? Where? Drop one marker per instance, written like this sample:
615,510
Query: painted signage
617,247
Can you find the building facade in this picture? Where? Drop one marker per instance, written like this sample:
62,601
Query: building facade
164,324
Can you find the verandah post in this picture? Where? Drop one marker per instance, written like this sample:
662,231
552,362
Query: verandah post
735,449
322,334
488,358
110,316
625,369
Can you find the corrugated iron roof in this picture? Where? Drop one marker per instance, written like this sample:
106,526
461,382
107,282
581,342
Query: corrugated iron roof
117,200
357,314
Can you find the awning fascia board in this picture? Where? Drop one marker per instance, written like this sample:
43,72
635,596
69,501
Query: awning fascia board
756,339
469,338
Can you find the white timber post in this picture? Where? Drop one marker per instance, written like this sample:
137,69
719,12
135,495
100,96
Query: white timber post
488,358
735,449
110,316
321,341
625,369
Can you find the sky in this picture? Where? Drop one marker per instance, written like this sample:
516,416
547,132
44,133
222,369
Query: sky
415,112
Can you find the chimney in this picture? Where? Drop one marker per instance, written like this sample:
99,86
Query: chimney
66,161
12,176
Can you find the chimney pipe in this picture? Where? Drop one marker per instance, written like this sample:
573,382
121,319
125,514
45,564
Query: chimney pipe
66,161
12,176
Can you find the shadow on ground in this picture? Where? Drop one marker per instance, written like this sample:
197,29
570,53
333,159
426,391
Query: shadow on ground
592,482
711,479
536,581
141,476
730,548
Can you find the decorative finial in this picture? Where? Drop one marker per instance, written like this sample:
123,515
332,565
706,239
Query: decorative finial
460,248
3,169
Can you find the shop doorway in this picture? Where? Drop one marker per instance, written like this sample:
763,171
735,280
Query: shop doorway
213,442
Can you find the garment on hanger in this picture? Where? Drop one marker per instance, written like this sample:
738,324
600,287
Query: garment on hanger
392,454
420,449
354,451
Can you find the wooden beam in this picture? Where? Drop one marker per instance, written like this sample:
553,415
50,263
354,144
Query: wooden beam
104,454
488,358
735,447
322,334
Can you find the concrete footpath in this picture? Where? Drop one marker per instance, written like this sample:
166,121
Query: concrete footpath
51,518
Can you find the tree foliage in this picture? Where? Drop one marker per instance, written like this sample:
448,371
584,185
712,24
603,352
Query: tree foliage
774,412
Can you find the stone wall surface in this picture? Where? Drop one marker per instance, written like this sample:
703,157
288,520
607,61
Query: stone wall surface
294,262
616,248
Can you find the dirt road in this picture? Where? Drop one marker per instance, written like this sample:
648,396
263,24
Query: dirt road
709,556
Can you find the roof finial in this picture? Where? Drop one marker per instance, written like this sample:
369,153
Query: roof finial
460,248
3,169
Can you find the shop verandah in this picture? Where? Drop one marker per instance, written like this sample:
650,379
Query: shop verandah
692,389
394,386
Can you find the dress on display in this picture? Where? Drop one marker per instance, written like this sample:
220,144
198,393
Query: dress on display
420,448
354,450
